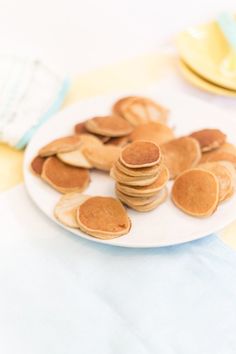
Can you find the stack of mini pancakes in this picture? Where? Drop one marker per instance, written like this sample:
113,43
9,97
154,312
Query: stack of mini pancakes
140,176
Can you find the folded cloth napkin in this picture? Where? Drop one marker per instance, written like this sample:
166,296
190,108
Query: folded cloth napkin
61,294
30,93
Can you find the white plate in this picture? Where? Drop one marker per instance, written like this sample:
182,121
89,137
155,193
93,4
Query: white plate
164,226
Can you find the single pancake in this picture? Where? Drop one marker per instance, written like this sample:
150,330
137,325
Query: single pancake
209,139
65,144
138,110
65,209
65,178
228,147
103,217
223,175
37,165
148,190
156,132
219,156
121,141
139,172
196,192
111,126
102,157
159,198
77,157
180,154
80,128
131,180
140,154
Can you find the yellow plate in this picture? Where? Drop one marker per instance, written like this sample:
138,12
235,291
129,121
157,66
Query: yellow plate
201,83
204,48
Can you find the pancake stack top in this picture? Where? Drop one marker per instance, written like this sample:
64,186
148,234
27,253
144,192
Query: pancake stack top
140,176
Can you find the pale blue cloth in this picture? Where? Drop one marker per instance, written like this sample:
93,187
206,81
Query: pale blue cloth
64,295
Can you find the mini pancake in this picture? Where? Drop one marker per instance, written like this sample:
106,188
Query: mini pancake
209,139
80,128
148,190
226,147
76,157
131,180
159,199
136,201
111,126
102,157
231,169
37,165
180,154
223,175
65,144
65,209
103,217
219,156
138,110
121,141
65,178
152,131
140,154
196,192
138,172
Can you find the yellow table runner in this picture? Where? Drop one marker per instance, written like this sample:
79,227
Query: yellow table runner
130,74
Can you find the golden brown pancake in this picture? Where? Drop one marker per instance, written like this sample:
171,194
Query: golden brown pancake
152,131
37,165
196,192
102,157
223,175
140,154
121,141
103,217
180,154
131,180
219,156
209,139
80,128
65,209
65,178
158,199
111,126
77,157
148,190
65,144
138,110
138,172
228,147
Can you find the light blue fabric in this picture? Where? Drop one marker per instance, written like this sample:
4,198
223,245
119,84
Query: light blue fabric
53,109
61,294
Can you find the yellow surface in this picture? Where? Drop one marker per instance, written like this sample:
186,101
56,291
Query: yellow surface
130,74
197,81
11,167
204,48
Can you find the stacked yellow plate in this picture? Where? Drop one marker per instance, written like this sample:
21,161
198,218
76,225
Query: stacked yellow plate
205,51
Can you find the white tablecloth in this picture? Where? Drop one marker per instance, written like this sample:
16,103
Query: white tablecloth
61,294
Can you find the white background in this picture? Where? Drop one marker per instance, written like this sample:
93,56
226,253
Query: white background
76,35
